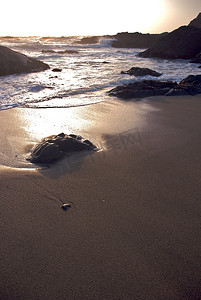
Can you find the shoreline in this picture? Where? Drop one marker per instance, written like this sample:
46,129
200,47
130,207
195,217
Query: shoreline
133,228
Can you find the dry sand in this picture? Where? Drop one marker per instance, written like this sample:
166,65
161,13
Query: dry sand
134,227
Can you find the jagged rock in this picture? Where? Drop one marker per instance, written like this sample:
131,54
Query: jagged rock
184,42
136,71
196,22
135,40
194,80
197,59
12,62
56,147
141,89
191,85
177,92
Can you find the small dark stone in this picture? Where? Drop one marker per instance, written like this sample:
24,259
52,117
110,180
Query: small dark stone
56,70
66,206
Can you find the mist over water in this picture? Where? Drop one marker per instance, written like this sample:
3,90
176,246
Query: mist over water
87,73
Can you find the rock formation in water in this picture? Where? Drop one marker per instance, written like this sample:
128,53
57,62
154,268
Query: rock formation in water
135,40
184,42
191,85
12,62
56,147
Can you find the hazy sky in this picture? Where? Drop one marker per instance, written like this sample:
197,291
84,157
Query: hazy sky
91,17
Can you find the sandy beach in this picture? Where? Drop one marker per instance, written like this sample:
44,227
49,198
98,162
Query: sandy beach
133,229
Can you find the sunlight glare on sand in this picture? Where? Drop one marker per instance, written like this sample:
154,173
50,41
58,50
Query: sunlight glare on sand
40,123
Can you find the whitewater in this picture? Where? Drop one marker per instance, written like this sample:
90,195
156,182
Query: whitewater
87,72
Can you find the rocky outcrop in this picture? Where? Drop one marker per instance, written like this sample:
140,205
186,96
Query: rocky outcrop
184,42
196,22
135,40
147,88
56,147
12,62
136,71
141,89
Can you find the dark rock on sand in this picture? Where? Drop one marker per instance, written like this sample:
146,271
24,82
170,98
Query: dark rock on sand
135,40
191,85
66,206
184,42
12,62
136,71
56,147
196,22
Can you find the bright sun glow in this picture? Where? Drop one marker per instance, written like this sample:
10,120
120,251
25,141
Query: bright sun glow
78,17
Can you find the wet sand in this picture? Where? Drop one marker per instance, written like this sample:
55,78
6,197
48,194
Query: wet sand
133,230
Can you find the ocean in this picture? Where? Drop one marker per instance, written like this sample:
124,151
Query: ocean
88,72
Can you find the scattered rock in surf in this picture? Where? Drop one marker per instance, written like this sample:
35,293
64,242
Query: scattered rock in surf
191,85
67,51
66,206
56,147
137,71
12,62
56,70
